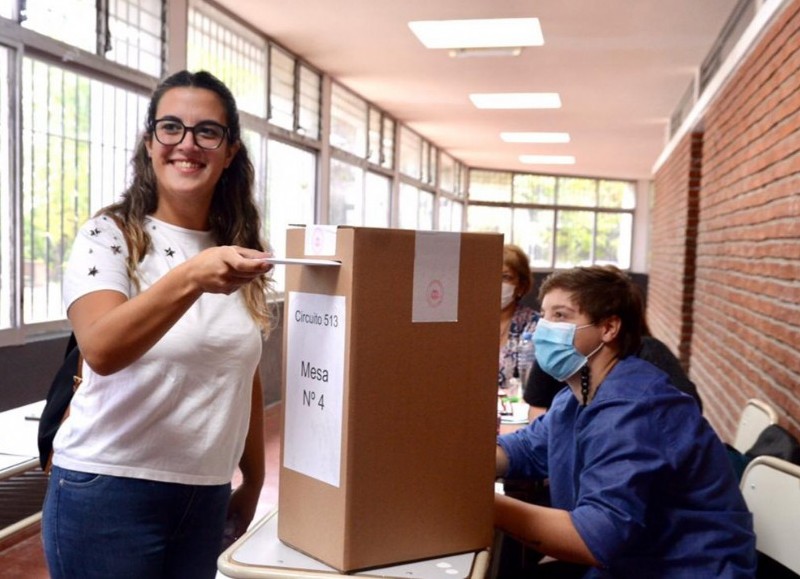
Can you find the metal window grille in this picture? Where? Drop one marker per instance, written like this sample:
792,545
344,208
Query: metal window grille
230,51
78,135
281,88
310,102
134,35
349,115
410,153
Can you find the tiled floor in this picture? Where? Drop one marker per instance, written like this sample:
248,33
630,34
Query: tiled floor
25,559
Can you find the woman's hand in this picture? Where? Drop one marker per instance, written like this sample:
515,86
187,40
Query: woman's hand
224,269
242,509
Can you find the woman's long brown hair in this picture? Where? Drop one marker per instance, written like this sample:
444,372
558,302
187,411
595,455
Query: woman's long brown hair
233,217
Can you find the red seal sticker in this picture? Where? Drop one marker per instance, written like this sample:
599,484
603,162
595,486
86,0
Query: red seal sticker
435,293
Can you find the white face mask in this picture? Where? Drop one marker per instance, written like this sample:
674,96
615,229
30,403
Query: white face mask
507,294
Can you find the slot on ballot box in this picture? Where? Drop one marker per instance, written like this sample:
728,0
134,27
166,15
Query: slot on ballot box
387,453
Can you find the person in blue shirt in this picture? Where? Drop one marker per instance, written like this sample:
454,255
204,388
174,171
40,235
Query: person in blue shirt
640,484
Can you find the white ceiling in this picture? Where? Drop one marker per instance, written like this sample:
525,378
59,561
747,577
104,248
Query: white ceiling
621,67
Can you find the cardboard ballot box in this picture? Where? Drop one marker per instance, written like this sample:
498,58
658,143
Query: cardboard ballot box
389,396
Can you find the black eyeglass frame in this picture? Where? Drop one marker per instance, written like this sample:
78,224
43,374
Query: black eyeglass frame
193,129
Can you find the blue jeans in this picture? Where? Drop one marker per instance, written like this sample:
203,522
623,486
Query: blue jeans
98,526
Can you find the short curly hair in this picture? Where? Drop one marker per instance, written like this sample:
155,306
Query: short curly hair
603,291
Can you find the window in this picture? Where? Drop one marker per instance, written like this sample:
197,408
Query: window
533,232
291,195
281,88
618,194
574,231
577,192
559,222
415,208
490,219
310,109
78,136
410,153
538,189
380,150
447,174
359,197
451,214
490,186
377,200
230,51
374,136
429,163
387,161
348,122
346,198
124,31
256,144
135,35
70,21
614,239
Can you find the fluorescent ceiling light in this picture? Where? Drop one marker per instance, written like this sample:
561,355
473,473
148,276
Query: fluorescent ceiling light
535,137
489,51
519,100
481,33
547,159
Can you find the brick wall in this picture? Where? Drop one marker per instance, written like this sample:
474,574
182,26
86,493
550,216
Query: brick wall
673,242
743,328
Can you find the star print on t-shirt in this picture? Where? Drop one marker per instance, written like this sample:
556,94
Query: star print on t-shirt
93,271
116,249
169,251
94,232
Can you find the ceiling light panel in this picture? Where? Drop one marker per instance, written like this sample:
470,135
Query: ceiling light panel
547,159
482,33
534,137
520,100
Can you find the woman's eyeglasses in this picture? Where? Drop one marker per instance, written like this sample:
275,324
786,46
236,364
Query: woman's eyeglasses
207,135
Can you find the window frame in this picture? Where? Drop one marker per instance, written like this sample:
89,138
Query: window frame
510,179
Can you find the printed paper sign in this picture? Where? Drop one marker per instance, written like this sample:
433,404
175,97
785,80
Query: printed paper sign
437,259
315,326
320,240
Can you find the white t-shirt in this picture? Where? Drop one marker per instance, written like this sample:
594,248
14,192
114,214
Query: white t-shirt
180,413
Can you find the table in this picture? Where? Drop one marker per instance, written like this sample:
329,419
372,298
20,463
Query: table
19,429
260,554
19,453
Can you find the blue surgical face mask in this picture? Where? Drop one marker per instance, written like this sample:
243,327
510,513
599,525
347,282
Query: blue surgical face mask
555,348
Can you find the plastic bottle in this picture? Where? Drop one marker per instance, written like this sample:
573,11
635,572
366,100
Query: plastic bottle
525,356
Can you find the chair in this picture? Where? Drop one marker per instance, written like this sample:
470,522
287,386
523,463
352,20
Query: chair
756,416
771,488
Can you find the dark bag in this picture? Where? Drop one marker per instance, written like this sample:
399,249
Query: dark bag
776,441
59,396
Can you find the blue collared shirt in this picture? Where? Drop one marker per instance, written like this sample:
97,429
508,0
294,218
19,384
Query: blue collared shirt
648,484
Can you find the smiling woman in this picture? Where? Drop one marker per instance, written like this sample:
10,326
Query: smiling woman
170,327
188,170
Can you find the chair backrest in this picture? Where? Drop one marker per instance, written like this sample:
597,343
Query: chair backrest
771,488
756,416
